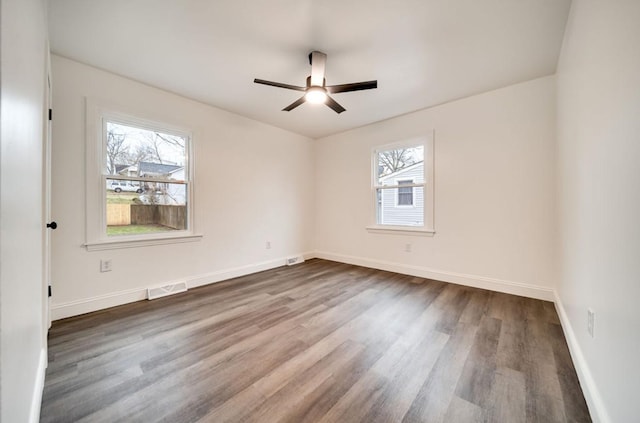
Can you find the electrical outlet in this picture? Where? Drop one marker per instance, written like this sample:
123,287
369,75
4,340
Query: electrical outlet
591,317
105,265
407,248
267,245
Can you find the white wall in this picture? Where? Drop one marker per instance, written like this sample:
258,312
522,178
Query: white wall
494,192
23,69
599,201
254,183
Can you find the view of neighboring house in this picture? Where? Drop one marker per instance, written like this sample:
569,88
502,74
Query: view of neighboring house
158,170
158,192
403,205
126,170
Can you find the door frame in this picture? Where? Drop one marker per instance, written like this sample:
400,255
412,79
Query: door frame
46,196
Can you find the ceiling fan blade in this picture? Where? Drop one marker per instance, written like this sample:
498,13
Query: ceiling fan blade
293,105
355,86
318,61
279,85
334,105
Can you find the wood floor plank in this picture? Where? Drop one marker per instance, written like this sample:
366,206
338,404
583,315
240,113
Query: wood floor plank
574,403
479,370
512,345
355,404
507,398
188,394
433,400
325,396
461,411
476,307
301,388
544,394
406,372
240,405
317,342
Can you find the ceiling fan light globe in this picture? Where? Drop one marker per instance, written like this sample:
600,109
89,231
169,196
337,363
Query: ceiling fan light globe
316,95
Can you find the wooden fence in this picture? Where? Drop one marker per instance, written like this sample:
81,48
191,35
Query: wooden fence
118,214
174,217
142,214
170,216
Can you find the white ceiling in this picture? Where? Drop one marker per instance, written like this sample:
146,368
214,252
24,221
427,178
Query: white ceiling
422,52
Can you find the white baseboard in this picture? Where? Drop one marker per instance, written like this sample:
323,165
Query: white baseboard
223,275
492,284
100,302
36,398
589,388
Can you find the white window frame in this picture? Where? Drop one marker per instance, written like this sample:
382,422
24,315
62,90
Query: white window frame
428,229
97,114
413,192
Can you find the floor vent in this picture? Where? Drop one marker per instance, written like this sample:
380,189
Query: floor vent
295,260
163,291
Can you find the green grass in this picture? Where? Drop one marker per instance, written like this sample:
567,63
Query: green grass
136,229
121,198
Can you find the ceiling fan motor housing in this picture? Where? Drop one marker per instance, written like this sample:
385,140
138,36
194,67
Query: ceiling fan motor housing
316,90
324,82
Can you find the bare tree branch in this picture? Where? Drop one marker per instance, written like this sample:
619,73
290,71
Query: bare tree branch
171,139
116,150
393,160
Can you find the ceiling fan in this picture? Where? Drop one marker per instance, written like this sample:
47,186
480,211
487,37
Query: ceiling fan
316,91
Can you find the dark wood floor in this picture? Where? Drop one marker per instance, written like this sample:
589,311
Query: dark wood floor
317,342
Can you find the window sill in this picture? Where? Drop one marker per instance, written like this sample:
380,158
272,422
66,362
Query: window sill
400,230
132,243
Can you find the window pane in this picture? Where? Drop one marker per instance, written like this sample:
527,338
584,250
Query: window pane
405,162
388,211
136,208
132,151
405,194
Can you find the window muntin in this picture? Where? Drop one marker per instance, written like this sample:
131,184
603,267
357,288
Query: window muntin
399,184
146,179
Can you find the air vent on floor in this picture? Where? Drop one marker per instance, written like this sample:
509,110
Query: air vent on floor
295,260
163,291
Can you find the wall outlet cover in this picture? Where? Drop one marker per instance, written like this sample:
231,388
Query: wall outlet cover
105,265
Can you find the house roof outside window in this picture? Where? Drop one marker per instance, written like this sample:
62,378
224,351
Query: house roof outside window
155,169
148,169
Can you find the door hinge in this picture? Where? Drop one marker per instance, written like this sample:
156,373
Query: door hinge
49,290
50,114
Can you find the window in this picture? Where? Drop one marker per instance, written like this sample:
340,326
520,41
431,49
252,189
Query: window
403,187
146,185
405,193
144,194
